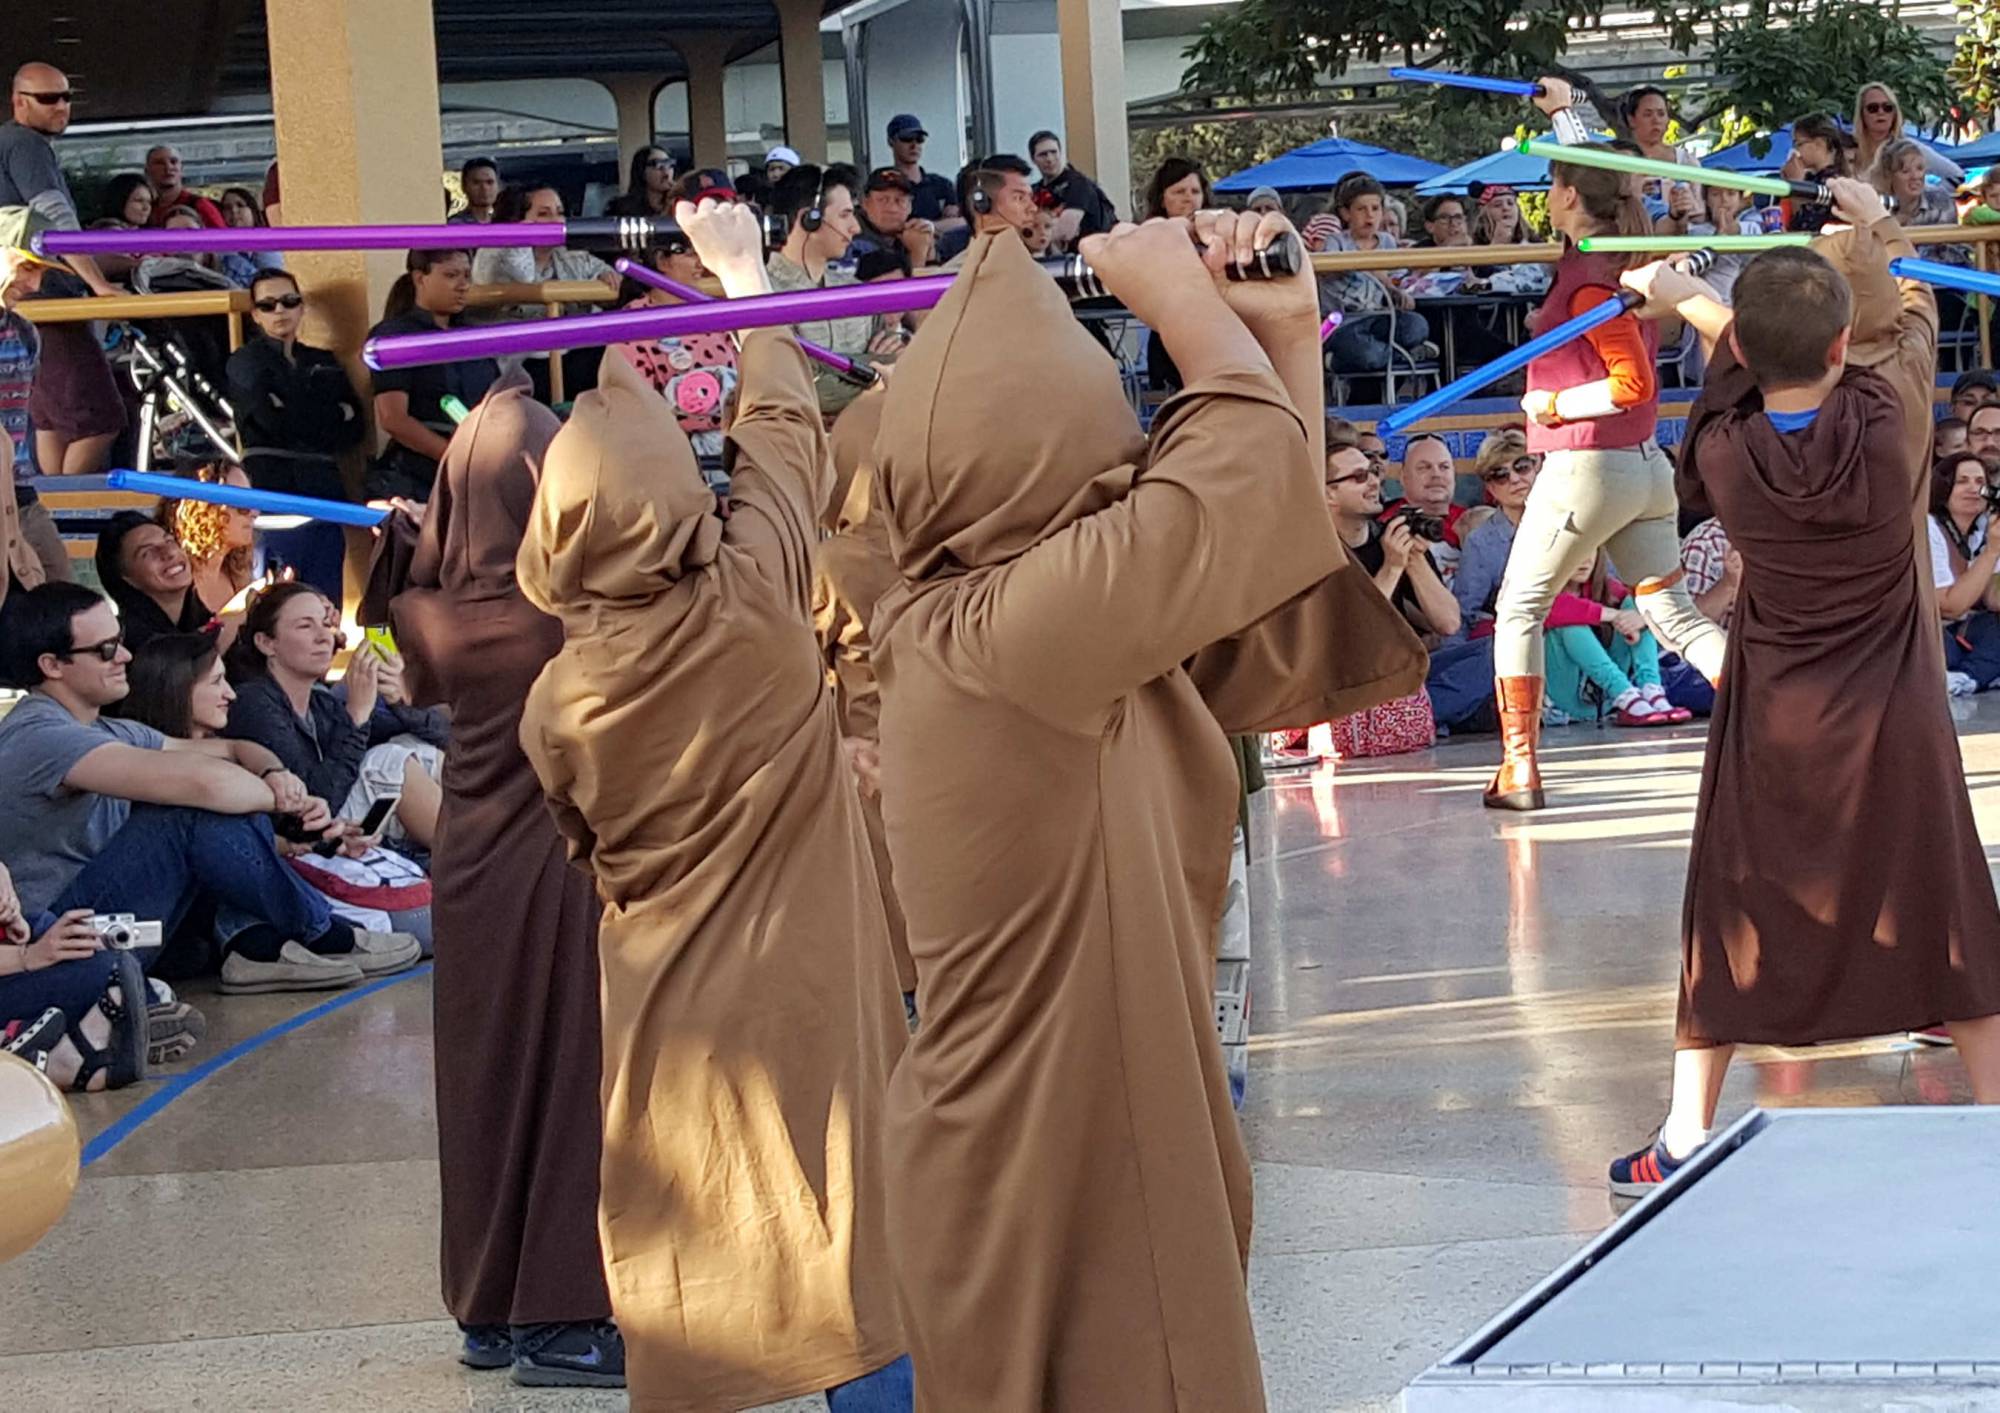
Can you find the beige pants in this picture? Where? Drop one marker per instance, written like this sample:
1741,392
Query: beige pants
1620,500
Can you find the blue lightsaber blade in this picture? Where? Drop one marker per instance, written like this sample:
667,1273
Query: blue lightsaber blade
1933,272
338,512
1478,83
1461,388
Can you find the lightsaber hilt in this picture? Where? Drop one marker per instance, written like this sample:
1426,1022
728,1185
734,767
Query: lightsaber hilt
846,367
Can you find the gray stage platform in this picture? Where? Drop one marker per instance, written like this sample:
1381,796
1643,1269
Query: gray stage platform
1823,1260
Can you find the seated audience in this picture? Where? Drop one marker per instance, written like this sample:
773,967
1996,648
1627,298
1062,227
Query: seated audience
649,186
1612,670
1948,438
298,413
1501,222
1081,205
1965,555
184,272
171,193
1392,554
150,578
1430,481
110,816
1972,390
695,373
350,745
479,181
1982,436
532,265
180,689
241,210
1821,151
1713,569
220,541
1378,313
408,401
818,209
1986,210
63,1001
1507,469
886,223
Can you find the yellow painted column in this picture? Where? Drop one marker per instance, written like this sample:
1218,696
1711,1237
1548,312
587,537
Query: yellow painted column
708,121
634,95
1093,75
804,77
354,90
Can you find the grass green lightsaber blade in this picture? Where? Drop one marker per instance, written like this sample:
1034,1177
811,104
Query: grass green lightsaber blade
1667,244
1667,171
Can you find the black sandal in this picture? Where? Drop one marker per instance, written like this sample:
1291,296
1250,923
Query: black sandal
33,1040
124,1059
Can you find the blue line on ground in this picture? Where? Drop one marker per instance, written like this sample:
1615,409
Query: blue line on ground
174,1088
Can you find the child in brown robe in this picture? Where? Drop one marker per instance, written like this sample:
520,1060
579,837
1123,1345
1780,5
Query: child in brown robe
1837,887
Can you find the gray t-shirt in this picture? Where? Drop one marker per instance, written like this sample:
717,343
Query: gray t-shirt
48,831
31,176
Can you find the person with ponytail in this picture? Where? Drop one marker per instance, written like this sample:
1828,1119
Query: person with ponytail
1592,405
1821,151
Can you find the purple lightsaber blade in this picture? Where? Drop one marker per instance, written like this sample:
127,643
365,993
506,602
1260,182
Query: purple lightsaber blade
846,367
626,232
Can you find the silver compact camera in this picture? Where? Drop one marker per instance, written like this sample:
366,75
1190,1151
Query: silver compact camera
123,931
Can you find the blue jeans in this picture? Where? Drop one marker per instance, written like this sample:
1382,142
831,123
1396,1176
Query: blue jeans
1972,646
74,988
890,1389
1461,685
1361,343
166,856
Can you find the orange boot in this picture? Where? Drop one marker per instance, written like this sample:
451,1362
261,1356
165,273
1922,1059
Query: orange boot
1518,786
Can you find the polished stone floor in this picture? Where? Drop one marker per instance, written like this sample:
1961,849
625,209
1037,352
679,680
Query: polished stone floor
1459,1016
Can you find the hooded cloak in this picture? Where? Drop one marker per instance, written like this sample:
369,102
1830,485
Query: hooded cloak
1070,1187
515,922
1836,884
688,742
851,571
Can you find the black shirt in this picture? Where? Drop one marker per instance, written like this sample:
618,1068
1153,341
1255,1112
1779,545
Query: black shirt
1372,558
304,406
409,472
930,194
1078,192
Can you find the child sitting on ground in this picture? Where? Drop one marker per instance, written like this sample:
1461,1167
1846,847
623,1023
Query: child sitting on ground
1608,670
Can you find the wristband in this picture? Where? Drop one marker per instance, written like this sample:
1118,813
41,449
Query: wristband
267,774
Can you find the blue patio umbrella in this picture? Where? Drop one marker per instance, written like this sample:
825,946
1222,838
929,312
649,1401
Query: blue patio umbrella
1980,152
1504,168
1318,166
1740,158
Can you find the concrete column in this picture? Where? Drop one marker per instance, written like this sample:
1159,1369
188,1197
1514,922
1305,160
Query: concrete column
633,94
355,95
860,134
1093,74
978,40
706,55
804,76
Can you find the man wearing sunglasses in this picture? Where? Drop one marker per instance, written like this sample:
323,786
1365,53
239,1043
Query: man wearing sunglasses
110,816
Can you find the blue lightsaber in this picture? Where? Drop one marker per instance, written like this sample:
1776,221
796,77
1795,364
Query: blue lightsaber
1933,272
1461,388
1515,88
338,512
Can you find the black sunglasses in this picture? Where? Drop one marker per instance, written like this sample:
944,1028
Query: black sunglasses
283,301
1514,468
661,162
1878,107
51,100
106,651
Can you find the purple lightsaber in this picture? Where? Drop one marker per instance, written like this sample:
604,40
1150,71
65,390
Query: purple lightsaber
621,232
846,367
1073,276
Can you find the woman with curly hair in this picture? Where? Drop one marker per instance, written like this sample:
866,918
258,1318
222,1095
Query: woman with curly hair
219,539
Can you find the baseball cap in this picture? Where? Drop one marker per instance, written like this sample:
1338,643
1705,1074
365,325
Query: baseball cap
1264,193
19,225
906,125
783,154
886,179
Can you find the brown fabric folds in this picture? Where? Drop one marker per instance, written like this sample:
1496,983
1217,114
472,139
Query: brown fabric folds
688,743
1836,886
1070,1188
519,1127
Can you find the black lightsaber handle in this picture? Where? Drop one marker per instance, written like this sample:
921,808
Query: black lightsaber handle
1281,259
644,232
1819,193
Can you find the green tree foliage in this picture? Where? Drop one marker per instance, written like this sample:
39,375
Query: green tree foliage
1787,59
1975,65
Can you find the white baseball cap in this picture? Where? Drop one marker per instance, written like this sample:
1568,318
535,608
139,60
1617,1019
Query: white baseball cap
783,154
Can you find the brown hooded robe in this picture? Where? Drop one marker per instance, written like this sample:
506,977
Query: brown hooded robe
516,983
852,569
1070,1189
688,742
1837,887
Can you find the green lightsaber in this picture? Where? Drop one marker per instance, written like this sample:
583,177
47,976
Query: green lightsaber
1666,244
1671,171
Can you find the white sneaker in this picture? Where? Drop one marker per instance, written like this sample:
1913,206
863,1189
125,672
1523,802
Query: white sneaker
1960,685
382,953
297,969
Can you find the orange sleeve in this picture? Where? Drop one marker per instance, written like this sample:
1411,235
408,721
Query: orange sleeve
1622,349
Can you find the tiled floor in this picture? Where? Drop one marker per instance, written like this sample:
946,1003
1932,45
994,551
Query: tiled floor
1460,1016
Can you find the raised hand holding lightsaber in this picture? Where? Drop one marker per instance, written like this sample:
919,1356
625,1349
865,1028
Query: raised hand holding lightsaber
688,294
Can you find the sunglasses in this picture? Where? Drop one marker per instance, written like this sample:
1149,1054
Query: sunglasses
1526,466
1878,107
283,301
661,162
1371,474
51,100
106,651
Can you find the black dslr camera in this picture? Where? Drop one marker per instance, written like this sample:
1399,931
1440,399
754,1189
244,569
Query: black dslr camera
1424,527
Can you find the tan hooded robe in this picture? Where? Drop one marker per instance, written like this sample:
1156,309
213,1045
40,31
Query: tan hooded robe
1070,1191
687,740
852,569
